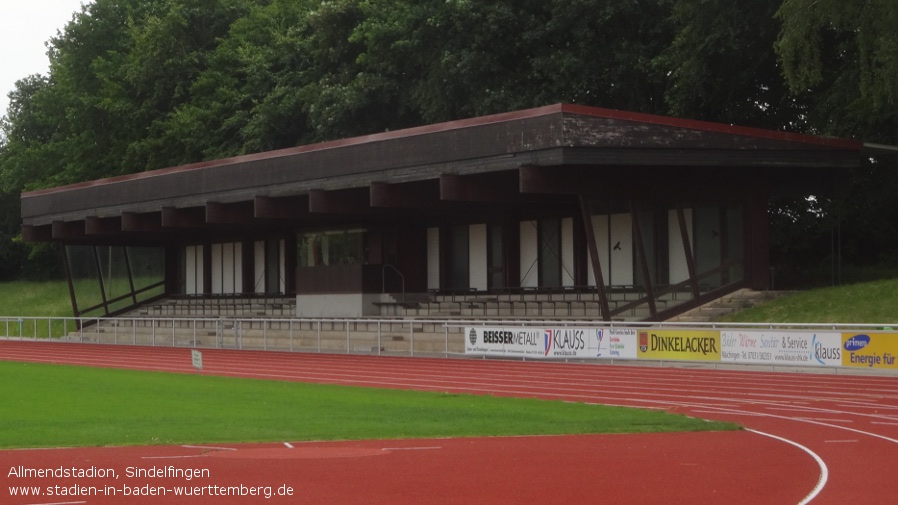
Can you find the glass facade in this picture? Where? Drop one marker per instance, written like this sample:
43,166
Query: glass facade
108,279
549,232
339,247
640,250
459,257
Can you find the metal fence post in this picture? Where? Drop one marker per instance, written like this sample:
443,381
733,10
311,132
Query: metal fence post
379,341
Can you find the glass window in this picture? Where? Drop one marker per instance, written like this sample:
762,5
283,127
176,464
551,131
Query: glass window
459,252
341,247
85,280
148,271
496,252
549,253
718,245
108,279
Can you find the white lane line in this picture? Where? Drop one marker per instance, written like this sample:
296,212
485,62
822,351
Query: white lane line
874,406
288,445
210,448
825,419
841,441
745,414
824,471
432,448
801,420
173,457
790,409
883,423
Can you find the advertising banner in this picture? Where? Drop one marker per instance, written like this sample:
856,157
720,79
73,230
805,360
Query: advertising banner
746,346
563,342
692,345
781,347
871,350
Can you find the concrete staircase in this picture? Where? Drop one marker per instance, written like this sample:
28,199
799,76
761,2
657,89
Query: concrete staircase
414,324
734,302
561,305
188,306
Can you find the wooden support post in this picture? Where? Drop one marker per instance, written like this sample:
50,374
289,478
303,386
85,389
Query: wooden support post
594,258
643,261
687,250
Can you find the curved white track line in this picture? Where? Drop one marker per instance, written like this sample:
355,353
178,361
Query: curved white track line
824,471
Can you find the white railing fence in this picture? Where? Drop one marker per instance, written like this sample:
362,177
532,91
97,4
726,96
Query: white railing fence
411,337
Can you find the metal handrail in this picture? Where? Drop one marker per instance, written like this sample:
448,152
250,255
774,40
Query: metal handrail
442,337
32,326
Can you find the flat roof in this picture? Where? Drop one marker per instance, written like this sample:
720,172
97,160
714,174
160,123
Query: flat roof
587,140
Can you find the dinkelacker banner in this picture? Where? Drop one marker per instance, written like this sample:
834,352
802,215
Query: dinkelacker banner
692,345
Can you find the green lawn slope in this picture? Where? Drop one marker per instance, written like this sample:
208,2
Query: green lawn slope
863,303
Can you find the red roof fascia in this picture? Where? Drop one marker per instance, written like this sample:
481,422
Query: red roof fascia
693,124
477,121
332,144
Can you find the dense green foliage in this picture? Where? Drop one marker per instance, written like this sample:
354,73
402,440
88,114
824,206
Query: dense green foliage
144,84
122,407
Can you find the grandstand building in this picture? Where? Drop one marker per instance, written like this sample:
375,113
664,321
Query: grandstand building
561,211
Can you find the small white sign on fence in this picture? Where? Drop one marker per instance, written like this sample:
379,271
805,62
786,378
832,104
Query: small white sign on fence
197,359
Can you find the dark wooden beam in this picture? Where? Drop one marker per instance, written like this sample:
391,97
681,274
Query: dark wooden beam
97,226
687,251
230,213
141,223
68,230
282,207
542,180
641,183
416,195
345,201
42,233
191,217
594,257
643,261
492,188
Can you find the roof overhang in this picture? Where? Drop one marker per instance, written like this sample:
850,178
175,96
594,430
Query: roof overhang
509,159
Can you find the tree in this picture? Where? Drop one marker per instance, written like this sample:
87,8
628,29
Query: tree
723,67
455,59
142,84
843,58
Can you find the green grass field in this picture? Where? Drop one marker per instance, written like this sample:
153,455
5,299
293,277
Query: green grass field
873,302
38,299
47,406
53,405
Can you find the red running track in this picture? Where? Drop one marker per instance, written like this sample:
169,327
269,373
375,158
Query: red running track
811,438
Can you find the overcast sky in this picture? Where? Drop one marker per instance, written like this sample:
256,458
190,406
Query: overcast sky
25,27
